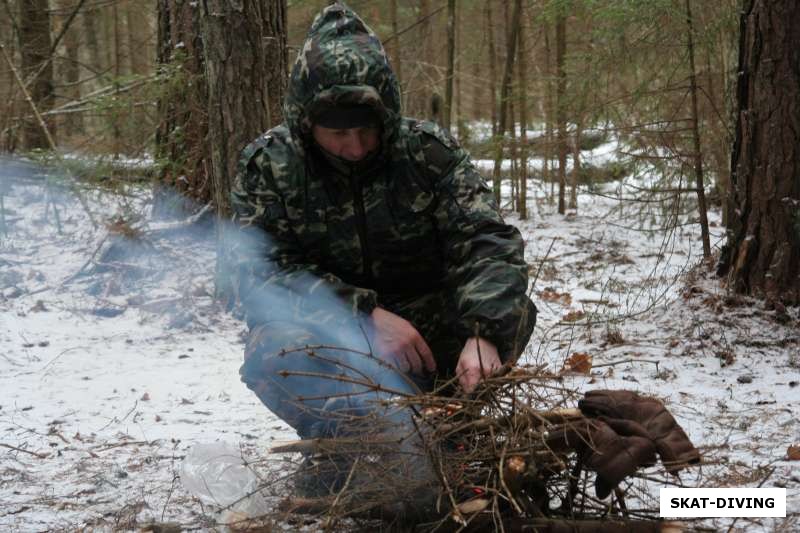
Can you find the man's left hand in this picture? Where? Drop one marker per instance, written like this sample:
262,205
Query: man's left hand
478,359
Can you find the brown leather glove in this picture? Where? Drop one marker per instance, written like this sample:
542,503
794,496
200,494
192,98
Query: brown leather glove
674,447
612,455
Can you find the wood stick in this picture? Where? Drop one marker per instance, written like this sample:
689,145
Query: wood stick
552,416
35,454
336,445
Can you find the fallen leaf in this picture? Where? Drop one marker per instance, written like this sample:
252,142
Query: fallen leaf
578,363
793,452
551,295
573,316
727,357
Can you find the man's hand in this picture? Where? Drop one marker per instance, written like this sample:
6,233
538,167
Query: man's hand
398,342
478,359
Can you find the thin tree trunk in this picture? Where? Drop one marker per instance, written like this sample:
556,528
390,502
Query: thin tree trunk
35,44
90,31
451,51
71,73
513,150
457,116
432,104
561,121
576,165
548,128
117,113
8,91
505,93
492,70
698,154
522,70
138,46
397,63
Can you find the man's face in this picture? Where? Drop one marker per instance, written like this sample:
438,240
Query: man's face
351,144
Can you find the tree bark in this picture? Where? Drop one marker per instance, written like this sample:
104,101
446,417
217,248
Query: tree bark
35,43
762,254
522,71
492,69
246,70
548,136
505,93
576,164
397,64
698,154
451,53
431,106
561,121
138,41
181,147
70,72
246,65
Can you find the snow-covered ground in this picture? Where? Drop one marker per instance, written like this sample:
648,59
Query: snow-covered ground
115,364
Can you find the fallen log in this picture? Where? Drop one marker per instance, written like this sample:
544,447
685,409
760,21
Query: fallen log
479,523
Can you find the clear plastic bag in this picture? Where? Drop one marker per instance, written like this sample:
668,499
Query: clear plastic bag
216,473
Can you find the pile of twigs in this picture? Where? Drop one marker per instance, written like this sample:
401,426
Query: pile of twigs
492,460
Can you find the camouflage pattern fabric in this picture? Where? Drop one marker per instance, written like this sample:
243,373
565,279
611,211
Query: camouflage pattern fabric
323,241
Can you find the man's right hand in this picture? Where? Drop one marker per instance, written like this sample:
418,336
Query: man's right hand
398,342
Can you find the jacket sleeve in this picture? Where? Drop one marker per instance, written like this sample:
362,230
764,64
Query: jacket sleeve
275,279
485,267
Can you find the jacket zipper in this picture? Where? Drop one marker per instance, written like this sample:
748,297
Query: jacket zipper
361,229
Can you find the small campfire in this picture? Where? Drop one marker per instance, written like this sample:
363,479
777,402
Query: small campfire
522,452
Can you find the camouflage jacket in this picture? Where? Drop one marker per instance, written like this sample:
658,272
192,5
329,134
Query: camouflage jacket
415,218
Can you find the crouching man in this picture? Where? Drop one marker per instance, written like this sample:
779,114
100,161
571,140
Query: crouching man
364,232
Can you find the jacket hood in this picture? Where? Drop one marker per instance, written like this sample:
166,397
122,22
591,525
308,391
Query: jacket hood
342,62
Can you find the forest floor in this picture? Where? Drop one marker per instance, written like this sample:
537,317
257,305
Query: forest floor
115,359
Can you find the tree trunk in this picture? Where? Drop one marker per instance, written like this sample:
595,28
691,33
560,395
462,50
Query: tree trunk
138,42
35,43
246,83
492,70
397,63
698,154
561,121
451,53
8,87
762,254
548,136
522,71
89,19
430,95
505,93
458,116
576,165
118,114
70,71
181,147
